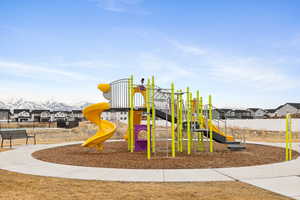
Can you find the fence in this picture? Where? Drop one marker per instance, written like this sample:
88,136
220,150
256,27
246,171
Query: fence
263,124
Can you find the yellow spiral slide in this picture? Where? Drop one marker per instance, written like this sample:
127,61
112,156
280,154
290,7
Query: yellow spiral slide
106,128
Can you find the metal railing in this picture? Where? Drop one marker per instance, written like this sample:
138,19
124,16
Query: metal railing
119,93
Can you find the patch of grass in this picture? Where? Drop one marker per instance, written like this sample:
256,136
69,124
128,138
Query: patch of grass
27,187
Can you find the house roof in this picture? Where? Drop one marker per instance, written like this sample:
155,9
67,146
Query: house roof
223,110
253,109
241,111
295,105
77,111
5,110
21,110
39,111
58,111
270,110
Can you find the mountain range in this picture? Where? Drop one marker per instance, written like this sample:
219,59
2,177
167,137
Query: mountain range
20,103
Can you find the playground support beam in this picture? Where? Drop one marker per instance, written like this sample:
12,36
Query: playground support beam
188,120
173,119
177,121
211,148
288,138
148,120
153,117
131,115
291,139
191,120
201,122
180,121
198,108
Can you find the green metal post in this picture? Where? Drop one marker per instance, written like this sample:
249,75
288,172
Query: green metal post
201,122
153,117
177,121
211,148
148,120
180,121
287,137
131,115
188,119
199,118
173,119
290,137
191,121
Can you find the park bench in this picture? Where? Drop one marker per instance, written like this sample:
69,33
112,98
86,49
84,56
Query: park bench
15,134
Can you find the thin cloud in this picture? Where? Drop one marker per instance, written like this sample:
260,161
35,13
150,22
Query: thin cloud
189,49
41,72
253,72
88,64
121,6
168,70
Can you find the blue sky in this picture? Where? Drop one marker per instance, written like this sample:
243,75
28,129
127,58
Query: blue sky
244,53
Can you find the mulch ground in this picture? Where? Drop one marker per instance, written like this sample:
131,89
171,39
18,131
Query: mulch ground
115,155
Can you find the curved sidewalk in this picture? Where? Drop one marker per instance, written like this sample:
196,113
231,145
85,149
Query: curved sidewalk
283,178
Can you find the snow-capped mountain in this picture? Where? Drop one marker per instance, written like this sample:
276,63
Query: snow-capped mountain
52,105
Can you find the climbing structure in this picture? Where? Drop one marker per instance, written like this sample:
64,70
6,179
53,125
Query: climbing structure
187,115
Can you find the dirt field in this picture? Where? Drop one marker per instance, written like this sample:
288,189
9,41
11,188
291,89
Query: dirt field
86,130
28,125
26,187
116,155
261,135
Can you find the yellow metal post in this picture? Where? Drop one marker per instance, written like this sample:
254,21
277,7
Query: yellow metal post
287,137
180,121
191,121
131,115
211,148
153,117
173,119
198,119
177,121
201,113
290,137
188,119
201,123
148,120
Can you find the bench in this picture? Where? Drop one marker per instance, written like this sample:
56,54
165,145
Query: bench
15,134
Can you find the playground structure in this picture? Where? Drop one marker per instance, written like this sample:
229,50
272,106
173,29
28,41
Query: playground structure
191,121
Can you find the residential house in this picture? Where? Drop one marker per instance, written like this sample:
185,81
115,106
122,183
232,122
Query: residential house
118,116
215,113
60,115
292,108
21,115
270,112
223,112
5,114
40,115
238,114
77,115
257,113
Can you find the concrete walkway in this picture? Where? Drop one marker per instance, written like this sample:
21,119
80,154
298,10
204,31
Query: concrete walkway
282,178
